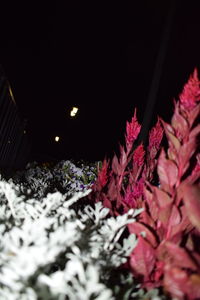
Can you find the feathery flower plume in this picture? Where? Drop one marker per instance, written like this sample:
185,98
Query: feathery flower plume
138,155
155,136
102,175
191,92
132,130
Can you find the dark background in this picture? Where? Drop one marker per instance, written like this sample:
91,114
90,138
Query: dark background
99,57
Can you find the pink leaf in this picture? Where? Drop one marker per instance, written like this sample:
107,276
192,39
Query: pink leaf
191,197
187,150
143,258
162,198
137,228
175,282
164,215
167,172
179,257
116,167
193,287
192,115
164,202
179,123
195,172
173,140
180,285
175,217
185,226
152,205
123,158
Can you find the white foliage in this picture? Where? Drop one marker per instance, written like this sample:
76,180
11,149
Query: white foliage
36,235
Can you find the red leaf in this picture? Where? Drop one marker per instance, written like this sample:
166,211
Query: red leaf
164,202
123,158
175,282
164,215
195,172
167,172
137,228
116,167
162,198
193,289
179,257
173,140
180,285
179,123
186,152
175,217
191,198
192,115
112,189
152,205
184,226
195,131
143,258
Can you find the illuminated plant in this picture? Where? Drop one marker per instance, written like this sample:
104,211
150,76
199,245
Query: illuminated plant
168,189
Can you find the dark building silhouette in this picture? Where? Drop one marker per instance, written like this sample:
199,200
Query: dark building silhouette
14,143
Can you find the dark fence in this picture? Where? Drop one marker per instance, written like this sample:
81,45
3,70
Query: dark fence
14,143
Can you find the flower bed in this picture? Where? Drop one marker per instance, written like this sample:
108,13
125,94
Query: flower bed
128,228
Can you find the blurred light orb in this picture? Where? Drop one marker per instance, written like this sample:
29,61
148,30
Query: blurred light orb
74,111
57,138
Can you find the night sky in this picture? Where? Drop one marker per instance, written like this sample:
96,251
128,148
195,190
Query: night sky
98,57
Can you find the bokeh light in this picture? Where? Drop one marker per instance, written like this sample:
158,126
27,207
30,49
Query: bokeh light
73,111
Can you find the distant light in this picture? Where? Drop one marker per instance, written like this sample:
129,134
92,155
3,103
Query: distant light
74,111
57,138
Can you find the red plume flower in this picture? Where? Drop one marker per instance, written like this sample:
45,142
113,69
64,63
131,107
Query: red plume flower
155,136
133,193
102,175
129,198
191,92
138,155
132,130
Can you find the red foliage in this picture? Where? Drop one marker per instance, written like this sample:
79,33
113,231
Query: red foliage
167,253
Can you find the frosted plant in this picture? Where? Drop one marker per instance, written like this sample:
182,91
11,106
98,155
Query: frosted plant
49,250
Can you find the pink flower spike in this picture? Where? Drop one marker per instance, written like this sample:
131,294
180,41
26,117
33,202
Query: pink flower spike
133,193
132,130
102,175
138,155
191,92
139,188
155,136
129,198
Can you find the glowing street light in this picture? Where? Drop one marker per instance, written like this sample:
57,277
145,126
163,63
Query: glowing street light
74,111
57,138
